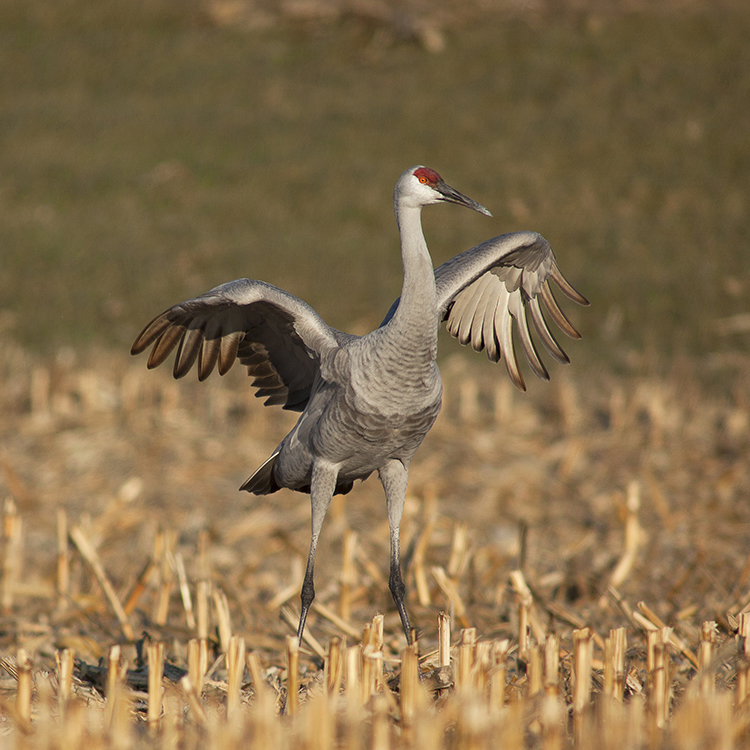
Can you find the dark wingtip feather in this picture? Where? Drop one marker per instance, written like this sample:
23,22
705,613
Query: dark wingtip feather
164,345
545,335
543,374
149,334
208,355
566,287
516,378
511,365
228,350
557,314
187,353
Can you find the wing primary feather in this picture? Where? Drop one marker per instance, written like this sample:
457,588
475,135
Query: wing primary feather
166,342
488,332
210,348
460,310
519,313
228,350
150,333
457,311
487,300
473,292
571,293
208,355
557,314
188,349
505,340
549,341
463,314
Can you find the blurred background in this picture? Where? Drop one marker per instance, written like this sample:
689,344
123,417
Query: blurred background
153,149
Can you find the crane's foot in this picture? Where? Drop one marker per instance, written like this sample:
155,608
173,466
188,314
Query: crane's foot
306,597
401,607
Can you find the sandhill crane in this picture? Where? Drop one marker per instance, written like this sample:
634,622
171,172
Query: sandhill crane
367,402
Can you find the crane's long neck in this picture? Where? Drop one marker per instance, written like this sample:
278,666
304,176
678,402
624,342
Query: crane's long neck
415,319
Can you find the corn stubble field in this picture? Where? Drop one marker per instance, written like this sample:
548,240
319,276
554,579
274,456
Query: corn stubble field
576,560
576,557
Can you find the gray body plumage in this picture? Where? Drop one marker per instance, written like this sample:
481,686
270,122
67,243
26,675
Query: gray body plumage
365,409
367,402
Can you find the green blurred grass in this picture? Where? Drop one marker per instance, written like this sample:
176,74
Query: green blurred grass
146,157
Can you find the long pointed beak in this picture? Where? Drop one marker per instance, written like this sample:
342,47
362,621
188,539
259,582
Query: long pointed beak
451,195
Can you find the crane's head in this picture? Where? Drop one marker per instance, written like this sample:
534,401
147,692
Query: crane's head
420,186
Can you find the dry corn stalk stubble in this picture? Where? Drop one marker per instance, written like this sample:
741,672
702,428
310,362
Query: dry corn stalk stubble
473,710
484,678
590,464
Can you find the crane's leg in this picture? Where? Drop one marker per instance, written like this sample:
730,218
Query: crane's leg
322,486
394,476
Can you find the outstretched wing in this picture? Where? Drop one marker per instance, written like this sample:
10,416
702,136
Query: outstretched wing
275,335
481,291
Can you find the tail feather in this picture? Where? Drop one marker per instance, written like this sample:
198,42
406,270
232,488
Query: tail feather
263,482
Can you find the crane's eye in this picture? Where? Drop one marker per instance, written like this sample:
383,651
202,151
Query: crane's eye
423,180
